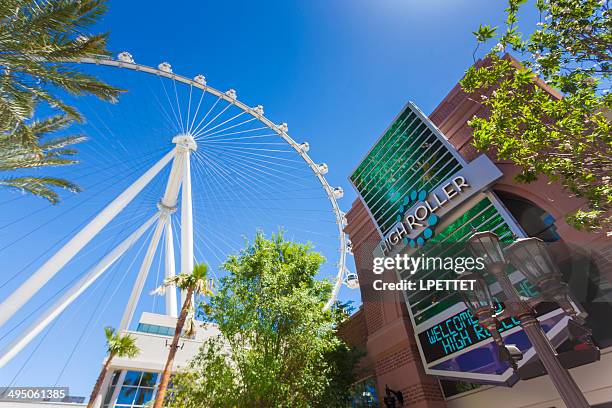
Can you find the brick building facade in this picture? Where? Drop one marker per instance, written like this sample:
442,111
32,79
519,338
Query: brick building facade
382,327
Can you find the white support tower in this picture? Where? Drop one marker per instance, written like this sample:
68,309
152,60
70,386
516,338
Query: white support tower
179,180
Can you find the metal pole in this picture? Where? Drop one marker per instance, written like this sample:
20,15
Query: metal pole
561,378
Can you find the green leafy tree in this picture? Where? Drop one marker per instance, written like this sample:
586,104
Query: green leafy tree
277,347
117,345
564,135
37,39
192,284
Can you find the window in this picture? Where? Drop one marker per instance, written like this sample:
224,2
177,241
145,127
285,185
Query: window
111,389
155,329
137,389
363,394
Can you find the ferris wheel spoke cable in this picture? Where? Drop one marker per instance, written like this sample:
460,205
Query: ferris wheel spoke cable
52,219
195,115
192,130
219,133
136,167
199,130
240,168
202,134
96,313
243,171
189,106
248,156
237,193
78,276
267,215
242,194
224,136
178,122
178,107
275,208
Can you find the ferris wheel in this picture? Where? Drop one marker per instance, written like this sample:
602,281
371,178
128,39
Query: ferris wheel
177,172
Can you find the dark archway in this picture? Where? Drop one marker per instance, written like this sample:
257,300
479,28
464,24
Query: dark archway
577,264
535,221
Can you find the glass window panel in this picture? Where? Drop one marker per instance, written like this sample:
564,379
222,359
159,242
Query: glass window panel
126,395
132,378
148,379
143,396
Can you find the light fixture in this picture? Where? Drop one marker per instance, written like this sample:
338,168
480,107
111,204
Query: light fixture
486,245
478,299
530,256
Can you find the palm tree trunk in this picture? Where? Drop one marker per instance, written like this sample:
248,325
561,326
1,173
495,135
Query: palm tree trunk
96,389
165,378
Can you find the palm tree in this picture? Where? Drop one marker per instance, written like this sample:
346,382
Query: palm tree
117,345
16,155
37,39
192,284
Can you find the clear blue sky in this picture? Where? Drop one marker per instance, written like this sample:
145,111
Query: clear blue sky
337,71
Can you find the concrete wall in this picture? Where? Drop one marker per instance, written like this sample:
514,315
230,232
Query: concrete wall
154,348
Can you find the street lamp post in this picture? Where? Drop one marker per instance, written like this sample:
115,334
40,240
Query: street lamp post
529,256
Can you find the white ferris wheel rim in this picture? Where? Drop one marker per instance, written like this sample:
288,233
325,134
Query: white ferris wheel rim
280,130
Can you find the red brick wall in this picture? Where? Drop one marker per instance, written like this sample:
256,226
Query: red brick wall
391,346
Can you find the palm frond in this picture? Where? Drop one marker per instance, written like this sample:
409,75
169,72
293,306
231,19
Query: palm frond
40,186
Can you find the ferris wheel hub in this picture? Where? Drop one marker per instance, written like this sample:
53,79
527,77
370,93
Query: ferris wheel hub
185,140
166,209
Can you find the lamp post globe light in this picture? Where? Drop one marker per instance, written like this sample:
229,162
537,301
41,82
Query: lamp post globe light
480,302
529,256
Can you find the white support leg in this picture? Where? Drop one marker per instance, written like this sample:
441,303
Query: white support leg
38,279
142,274
186,223
171,305
82,285
167,205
